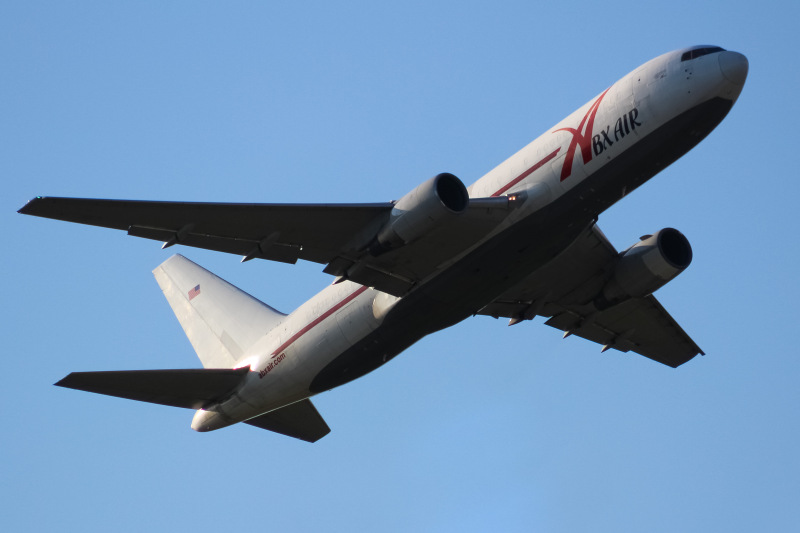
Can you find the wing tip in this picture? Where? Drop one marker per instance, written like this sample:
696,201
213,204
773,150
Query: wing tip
28,208
682,361
65,381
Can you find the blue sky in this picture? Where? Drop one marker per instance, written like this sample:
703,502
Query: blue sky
480,427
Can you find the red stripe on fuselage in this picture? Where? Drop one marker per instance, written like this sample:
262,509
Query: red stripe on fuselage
534,168
319,319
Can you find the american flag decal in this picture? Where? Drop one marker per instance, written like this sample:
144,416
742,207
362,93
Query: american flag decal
194,292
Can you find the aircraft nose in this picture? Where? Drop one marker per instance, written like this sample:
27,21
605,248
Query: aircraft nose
734,66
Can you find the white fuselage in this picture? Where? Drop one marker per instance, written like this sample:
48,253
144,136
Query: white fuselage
556,169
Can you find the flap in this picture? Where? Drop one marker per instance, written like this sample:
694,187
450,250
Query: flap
300,420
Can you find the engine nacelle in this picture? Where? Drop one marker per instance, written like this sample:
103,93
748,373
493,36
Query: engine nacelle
418,212
646,266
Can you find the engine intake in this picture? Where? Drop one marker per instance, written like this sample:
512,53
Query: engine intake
646,267
418,212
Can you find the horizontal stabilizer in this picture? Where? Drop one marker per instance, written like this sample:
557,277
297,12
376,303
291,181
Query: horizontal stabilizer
189,388
299,420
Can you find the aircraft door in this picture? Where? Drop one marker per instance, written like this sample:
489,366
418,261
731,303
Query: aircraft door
624,92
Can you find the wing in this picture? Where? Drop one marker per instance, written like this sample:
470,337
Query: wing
563,290
335,235
278,232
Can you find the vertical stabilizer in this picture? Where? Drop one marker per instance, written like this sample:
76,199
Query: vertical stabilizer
221,321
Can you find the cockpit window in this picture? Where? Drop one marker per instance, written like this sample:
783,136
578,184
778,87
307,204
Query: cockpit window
701,51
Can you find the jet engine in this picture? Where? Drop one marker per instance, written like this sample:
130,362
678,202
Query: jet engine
646,266
418,212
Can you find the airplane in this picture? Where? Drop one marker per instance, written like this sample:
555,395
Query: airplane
519,243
